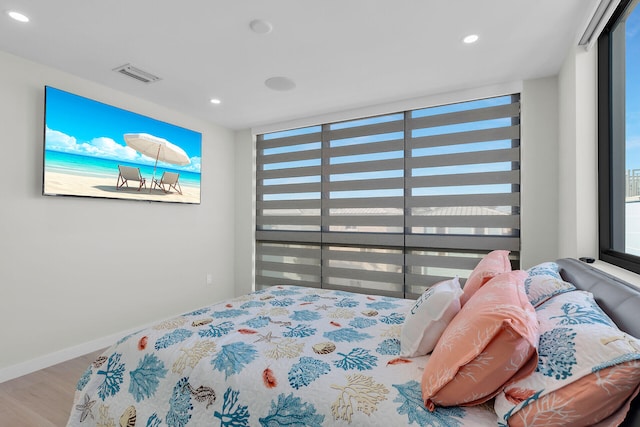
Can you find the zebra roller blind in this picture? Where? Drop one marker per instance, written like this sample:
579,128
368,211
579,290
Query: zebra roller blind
389,204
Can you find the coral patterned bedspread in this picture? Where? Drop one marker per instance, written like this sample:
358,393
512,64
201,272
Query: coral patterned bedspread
286,355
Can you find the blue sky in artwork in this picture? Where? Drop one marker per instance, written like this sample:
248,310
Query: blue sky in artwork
78,125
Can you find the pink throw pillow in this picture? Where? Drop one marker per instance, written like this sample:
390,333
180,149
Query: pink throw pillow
491,342
494,263
581,403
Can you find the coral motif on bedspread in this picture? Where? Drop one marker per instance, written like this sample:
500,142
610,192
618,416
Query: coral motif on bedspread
285,355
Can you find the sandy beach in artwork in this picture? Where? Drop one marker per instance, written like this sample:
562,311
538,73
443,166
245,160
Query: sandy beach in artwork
93,186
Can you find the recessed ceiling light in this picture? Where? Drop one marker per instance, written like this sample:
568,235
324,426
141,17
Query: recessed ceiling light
280,83
472,38
260,26
215,101
18,16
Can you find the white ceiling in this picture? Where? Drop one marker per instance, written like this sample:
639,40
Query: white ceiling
341,54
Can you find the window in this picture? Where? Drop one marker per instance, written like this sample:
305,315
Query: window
619,138
389,204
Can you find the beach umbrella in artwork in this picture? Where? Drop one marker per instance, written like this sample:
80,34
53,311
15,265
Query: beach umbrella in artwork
157,148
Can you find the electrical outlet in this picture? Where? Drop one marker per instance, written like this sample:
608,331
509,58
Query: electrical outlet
209,279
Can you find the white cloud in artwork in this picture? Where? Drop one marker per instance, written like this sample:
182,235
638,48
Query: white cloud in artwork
106,148
58,141
194,166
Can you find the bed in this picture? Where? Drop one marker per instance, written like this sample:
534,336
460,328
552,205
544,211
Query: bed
299,356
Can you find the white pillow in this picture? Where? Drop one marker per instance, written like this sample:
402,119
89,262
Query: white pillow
429,317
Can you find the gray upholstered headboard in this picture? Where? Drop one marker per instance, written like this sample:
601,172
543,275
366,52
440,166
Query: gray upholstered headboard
619,299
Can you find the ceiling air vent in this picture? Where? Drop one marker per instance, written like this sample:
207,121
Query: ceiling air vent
136,73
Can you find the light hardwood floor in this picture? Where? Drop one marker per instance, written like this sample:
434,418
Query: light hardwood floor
43,398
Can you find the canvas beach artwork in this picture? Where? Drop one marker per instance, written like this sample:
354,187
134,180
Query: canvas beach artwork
92,149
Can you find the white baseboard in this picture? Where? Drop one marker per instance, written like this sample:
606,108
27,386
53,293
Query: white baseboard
24,368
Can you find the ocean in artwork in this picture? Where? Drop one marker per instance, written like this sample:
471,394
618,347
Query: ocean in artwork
75,164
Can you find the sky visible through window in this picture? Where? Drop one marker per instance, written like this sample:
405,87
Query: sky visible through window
416,133
632,38
632,120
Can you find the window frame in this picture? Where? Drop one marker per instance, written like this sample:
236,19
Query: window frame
608,186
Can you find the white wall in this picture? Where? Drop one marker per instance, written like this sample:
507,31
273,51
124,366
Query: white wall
245,211
578,185
76,272
559,162
539,171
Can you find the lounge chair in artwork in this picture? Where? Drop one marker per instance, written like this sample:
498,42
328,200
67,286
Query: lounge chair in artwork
168,181
128,173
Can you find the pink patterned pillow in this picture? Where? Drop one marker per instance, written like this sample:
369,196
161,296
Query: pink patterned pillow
494,263
491,342
581,403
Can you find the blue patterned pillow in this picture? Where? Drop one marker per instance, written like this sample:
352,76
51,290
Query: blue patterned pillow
544,282
587,368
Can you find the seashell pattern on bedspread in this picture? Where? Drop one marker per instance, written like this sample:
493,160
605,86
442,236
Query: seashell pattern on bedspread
285,355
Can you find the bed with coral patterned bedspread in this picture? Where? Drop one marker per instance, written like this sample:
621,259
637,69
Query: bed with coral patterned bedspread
282,356
551,346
